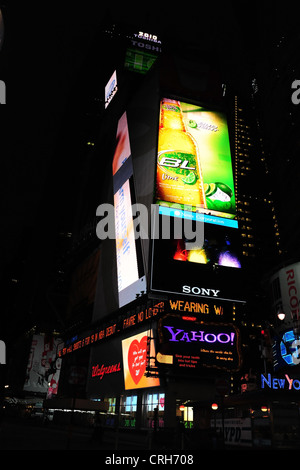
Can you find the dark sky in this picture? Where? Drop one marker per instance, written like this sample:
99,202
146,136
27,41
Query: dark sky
43,52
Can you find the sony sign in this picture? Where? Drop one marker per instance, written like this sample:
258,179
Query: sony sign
195,290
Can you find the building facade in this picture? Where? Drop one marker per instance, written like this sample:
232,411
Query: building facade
173,327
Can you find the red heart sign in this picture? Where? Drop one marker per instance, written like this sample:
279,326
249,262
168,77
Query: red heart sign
137,356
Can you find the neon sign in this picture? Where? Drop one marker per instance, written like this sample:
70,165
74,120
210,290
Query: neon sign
196,307
190,345
188,336
129,320
286,350
280,383
103,370
148,37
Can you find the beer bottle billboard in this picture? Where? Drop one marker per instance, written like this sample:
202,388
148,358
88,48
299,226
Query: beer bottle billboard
194,166
179,178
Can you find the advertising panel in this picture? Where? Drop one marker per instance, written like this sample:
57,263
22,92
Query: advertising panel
194,183
285,286
138,60
125,240
123,150
105,374
286,350
237,431
43,365
111,88
122,364
83,284
194,166
270,382
210,271
204,310
130,279
190,345
137,350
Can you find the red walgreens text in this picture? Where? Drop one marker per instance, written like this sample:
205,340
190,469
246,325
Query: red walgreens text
101,371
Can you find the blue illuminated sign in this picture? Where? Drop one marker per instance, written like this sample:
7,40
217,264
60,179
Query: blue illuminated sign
279,383
207,218
286,350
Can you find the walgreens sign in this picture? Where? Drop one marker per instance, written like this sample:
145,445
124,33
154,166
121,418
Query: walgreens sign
100,371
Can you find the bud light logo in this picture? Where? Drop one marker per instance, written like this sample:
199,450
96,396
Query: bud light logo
2,352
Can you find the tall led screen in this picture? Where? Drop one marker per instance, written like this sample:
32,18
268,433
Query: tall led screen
194,183
131,280
125,241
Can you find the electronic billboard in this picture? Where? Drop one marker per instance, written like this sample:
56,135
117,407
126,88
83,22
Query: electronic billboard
111,88
194,166
131,280
138,354
195,183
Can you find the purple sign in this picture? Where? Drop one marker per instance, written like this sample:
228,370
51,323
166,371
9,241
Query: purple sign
191,344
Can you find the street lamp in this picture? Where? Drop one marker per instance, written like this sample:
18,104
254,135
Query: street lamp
281,316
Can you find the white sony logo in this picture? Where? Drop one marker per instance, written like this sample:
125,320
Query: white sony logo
200,291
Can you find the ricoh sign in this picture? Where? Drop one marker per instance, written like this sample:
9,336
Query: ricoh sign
286,290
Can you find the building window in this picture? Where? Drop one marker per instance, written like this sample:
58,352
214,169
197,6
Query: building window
188,417
111,411
153,409
128,411
111,404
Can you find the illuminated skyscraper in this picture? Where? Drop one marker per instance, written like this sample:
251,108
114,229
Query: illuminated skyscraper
255,205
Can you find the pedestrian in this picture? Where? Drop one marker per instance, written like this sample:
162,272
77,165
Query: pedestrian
97,435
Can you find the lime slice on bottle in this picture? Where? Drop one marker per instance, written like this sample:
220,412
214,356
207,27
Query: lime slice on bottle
191,178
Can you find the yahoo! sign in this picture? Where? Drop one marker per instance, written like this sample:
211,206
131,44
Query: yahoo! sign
193,344
188,336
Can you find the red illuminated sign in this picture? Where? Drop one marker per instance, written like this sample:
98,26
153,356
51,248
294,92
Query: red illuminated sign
137,354
98,371
116,327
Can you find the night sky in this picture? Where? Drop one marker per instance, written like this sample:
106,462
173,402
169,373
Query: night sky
43,55
43,63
